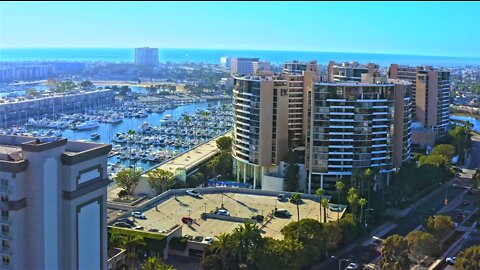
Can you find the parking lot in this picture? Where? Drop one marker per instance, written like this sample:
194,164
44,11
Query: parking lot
170,212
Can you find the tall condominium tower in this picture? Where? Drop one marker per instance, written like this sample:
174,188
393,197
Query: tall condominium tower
349,71
300,77
430,93
146,56
260,124
247,66
357,125
54,196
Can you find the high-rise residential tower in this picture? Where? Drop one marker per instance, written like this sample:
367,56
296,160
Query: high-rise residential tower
260,122
350,71
300,77
54,196
247,66
146,56
357,125
430,93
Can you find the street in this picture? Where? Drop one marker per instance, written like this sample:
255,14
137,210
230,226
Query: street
368,254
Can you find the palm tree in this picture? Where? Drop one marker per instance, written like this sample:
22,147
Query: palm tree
132,135
357,178
222,247
132,246
324,205
319,192
248,238
154,263
361,202
339,186
352,199
476,181
297,197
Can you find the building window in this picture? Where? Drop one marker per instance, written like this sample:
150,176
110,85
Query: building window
5,260
4,215
4,198
5,245
5,229
4,184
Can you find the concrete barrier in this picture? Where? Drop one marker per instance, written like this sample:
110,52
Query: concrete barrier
228,218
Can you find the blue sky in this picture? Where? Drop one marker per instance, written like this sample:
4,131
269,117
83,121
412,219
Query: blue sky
421,28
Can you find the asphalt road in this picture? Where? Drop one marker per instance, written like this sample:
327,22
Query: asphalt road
366,254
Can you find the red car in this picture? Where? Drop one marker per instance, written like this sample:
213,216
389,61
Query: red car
187,220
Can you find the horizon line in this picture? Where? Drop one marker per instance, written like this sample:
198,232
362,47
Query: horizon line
226,49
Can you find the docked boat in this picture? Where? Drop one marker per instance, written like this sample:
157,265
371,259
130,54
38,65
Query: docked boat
94,136
88,125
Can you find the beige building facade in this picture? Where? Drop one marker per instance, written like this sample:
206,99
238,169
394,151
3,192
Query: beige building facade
53,203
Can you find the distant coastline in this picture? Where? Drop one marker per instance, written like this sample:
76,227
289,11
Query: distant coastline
213,56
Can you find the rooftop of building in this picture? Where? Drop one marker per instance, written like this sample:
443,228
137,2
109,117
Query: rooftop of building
351,64
12,149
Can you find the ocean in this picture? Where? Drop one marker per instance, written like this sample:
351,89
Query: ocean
213,56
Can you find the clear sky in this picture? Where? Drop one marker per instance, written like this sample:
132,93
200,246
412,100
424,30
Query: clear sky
421,28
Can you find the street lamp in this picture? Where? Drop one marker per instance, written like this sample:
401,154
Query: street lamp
340,261
446,193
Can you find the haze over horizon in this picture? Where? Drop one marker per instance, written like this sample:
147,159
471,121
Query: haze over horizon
350,27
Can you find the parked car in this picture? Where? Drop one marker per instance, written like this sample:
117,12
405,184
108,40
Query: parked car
352,266
141,228
193,193
187,220
122,225
281,197
126,220
451,260
153,230
282,213
258,218
139,215
223,212
466,203
208,240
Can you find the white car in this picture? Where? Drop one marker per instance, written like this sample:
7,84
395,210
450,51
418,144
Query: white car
223,212
139,215
352,266
193,193
207,240
451,260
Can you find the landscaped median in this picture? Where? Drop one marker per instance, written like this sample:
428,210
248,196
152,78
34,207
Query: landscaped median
153,241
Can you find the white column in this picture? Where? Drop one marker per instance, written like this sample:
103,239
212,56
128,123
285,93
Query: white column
321,181
254,176
309,182
244,173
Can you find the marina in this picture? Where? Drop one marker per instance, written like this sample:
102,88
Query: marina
141,136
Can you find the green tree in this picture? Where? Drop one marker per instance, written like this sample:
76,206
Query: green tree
361,203
440,226
249,239
395,253
468,259
133,246
154,263
319,192
461,140
333,235
280,254
308,232
86,85
160,180
421,244
476,183
352,199
31,92
445,150
291,173
325,206
128,179
297,197
339,186
224,143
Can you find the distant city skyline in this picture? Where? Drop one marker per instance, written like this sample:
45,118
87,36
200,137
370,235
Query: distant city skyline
411,28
